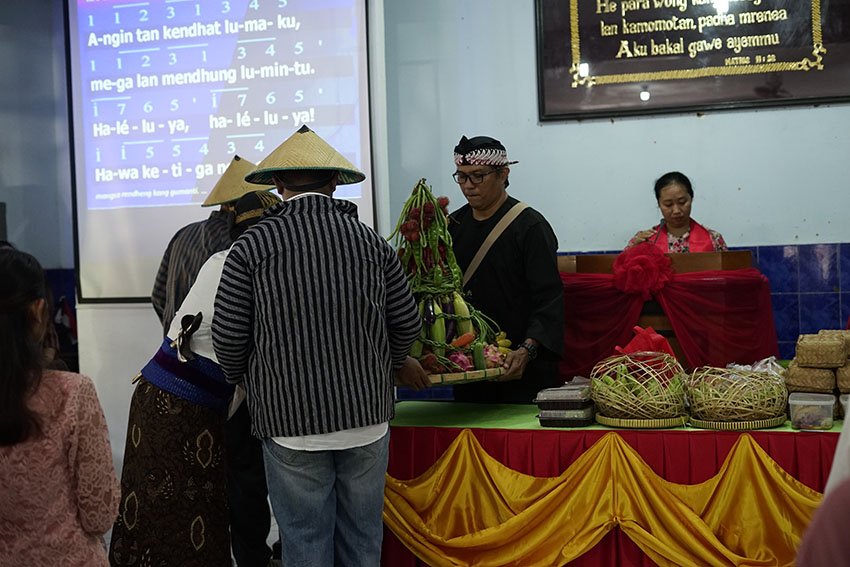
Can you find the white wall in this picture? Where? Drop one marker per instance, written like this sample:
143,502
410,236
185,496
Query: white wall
34,152
468,67
116,341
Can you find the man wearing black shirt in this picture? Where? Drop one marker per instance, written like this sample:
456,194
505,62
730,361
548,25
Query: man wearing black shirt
517,283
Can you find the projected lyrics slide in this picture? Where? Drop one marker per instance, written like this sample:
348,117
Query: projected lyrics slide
172,90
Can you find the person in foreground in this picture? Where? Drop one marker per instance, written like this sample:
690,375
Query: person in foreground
58,490
174,484
517,283
825,541
315,313
678,232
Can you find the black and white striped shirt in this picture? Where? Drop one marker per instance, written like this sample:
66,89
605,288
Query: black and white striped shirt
186,253
313,309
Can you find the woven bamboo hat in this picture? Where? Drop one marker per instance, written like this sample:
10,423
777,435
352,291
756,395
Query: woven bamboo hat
305,150
232,184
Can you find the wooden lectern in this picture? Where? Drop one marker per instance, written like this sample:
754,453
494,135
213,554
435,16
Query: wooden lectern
652,315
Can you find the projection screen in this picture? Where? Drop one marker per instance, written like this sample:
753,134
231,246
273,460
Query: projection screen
165,92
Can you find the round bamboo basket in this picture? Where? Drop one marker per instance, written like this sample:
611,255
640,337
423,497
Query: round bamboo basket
739,425
665,423
725,395
641,385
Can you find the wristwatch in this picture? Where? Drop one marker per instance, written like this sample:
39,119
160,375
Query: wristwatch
532,350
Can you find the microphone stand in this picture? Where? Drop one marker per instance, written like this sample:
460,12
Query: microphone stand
658,232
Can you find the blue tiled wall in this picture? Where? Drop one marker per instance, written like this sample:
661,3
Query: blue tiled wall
62,285
809,290
432,393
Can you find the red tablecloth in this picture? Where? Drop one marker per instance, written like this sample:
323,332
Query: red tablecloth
683,457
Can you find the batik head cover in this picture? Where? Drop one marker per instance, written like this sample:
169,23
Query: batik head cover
481,150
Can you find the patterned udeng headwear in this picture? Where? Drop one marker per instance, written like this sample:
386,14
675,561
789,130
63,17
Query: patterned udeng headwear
481,150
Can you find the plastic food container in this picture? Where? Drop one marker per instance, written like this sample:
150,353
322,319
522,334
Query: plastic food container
566,418
569,396
811,411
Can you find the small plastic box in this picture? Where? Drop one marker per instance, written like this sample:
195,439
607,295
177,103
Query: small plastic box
568,396
566,418
811,411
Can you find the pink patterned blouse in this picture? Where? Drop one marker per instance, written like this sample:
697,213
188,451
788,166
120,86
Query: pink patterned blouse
682,243
58,491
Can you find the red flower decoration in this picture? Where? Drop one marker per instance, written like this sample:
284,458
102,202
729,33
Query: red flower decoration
642,270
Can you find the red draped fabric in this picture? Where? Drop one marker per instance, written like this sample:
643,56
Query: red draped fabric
721,316
682,457
717,316
597,318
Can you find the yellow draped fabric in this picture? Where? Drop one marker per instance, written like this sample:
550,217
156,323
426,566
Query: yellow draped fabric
469,509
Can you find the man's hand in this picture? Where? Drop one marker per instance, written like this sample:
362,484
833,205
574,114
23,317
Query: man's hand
514,365
412,375
516,362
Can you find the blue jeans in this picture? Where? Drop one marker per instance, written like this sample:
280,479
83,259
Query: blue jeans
328,504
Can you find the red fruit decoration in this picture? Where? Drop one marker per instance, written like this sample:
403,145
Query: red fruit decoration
425,250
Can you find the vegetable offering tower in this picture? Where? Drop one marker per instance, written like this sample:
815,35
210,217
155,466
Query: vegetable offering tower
455,336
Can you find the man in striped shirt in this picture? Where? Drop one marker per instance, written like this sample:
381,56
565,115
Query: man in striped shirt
314,313
186,253
195,243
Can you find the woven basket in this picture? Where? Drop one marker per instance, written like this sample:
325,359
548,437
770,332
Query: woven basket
842,378
843,333
641,385
803,379
821,351
720,394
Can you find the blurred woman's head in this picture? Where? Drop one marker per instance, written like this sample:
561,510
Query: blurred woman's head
674,194
23,323
248,209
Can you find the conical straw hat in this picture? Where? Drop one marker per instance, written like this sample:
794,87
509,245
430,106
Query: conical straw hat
305,150
232,184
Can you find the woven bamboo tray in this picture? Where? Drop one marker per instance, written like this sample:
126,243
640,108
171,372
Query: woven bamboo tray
739,425
664,423
464,377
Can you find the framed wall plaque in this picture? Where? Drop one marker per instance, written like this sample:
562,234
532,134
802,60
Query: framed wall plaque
598,58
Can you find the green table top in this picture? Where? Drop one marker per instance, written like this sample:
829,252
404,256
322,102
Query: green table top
504,416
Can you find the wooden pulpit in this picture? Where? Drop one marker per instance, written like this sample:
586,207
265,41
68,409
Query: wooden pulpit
652,315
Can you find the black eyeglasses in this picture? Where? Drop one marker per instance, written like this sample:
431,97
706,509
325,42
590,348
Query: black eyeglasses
475,177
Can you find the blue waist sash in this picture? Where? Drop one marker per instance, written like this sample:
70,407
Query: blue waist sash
200,381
